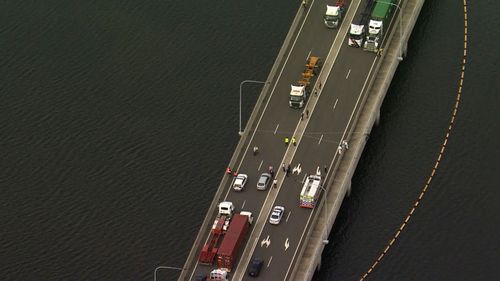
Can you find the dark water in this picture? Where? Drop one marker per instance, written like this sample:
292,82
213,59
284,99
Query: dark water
118,118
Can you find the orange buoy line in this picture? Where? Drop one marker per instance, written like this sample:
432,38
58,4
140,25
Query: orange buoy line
438,160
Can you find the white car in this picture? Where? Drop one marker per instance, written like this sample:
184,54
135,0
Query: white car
239,182
276,214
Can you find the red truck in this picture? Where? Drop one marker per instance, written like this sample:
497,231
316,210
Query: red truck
219,227
228,250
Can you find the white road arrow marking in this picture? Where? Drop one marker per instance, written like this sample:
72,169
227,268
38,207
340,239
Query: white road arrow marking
297,169
318,171
287,244
266,242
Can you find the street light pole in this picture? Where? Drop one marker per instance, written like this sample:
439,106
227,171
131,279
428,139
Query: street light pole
166,267
240,132
400,58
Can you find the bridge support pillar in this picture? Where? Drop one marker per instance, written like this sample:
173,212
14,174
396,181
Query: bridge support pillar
349,185
318,266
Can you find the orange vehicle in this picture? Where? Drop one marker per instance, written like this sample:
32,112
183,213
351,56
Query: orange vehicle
299,92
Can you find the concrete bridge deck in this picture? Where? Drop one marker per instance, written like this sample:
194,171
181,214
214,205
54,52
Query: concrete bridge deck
365,112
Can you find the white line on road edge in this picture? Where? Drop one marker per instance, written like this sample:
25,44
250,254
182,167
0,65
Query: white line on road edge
320,139
260,165
270,259
275,130
335,105
348,74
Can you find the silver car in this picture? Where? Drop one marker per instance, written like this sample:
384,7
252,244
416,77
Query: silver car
276,214
263,181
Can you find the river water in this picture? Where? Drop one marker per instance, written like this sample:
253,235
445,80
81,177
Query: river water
118,119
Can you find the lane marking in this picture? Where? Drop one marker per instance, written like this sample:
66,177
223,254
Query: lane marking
275,130
243,206
266,242
335,104
270,259
260,166
347,76
297,169
320,139
309,55
288,216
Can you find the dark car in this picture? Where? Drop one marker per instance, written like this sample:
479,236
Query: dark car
255,267
200,278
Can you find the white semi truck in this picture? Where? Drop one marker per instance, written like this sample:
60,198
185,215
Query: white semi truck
334,14
378,24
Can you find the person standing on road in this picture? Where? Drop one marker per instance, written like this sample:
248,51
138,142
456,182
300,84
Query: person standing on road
255,150
307,113
302,116
294,142
286,141
345,144
283,166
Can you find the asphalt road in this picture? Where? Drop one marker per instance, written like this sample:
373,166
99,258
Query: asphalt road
318,137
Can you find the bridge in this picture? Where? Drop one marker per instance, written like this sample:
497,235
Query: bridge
330,132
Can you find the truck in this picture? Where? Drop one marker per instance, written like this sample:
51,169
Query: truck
334,14
299,92
357,30
230,246
378,24
310,191
219,228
